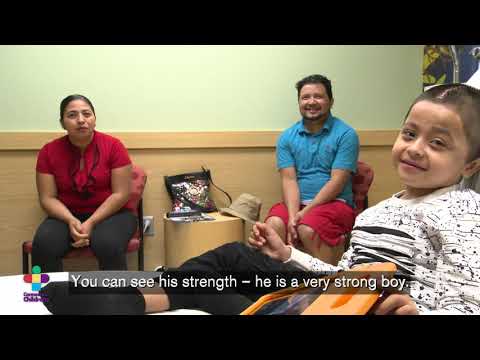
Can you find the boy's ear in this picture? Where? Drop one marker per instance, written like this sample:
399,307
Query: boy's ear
471,168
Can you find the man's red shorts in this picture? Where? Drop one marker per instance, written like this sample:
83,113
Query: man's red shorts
331,221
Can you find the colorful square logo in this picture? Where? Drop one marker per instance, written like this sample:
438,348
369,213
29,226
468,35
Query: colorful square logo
36,278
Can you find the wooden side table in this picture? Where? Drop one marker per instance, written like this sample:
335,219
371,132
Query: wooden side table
186,240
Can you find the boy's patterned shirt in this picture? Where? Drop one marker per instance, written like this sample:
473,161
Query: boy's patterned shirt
433,240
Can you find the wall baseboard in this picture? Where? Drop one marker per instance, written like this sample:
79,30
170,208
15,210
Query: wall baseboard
185,140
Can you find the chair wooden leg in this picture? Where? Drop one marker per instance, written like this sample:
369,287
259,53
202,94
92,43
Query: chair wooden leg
347,240
25,264
140,258
140,225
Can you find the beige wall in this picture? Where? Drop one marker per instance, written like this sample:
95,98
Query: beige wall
204,87
240,162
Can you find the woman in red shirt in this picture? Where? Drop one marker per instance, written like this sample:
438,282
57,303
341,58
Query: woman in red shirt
83,183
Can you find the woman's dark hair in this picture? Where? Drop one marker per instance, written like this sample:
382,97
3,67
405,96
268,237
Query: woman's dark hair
466,102
315,79
71,98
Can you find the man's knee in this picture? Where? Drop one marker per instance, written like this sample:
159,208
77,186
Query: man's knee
276,223
306,233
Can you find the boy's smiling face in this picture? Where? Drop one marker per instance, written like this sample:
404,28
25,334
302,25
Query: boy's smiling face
431,150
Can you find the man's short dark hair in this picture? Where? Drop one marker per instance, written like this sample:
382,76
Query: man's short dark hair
315,79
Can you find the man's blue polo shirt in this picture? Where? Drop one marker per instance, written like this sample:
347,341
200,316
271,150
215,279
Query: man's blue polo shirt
335,146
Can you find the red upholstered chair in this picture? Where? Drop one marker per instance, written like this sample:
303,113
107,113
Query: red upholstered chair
361,182
139,179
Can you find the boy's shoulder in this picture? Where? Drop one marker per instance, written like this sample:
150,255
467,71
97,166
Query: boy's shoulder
459,201
382,208
456,200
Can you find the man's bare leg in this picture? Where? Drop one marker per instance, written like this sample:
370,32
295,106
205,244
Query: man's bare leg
310,240
277,224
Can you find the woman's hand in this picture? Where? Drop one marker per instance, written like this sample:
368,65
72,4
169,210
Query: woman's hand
87,227
79,238
86,230
264,238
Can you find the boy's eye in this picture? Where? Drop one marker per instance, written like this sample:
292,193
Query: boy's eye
438,142
408,133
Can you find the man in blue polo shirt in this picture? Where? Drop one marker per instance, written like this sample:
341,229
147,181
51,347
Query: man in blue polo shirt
316,158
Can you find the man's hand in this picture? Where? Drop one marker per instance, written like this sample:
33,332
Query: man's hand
395,304
264,238
293,222
299,216
292,234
